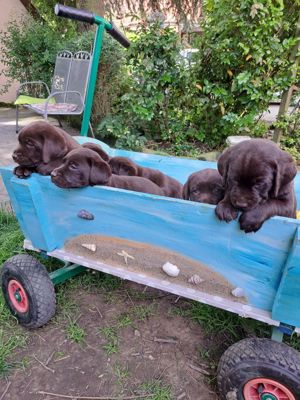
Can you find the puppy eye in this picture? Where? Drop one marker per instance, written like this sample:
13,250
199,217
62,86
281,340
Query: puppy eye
73,166
217,190
29,144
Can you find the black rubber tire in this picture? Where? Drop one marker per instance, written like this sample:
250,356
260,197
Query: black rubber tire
34,278
257,358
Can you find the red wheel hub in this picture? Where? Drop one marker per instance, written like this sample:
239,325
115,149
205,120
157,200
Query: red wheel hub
266,389
18,296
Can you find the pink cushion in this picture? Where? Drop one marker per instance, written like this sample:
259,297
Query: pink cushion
54,108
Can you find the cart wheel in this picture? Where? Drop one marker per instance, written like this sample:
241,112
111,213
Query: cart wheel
259,369
28,290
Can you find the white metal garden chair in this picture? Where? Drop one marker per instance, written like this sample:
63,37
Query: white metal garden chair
68,90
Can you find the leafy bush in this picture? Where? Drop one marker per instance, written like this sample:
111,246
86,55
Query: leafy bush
290,141
28,50
243,60
150,107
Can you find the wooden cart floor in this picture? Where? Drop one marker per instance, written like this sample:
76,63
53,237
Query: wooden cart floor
234,306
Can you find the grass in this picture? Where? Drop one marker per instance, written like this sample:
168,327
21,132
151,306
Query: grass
111,333
9,341
157,391
121,373
74,332
11,335
143,312
11,238
112,340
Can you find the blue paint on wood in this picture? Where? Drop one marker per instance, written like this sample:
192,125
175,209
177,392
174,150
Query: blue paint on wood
254,262
285,305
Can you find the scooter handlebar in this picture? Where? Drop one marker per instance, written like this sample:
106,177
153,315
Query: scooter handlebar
74,13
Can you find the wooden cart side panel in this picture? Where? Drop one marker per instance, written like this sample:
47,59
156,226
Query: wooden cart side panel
253,262
27,201
288,294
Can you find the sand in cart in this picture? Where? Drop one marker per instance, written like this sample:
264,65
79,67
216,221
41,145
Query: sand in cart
148,259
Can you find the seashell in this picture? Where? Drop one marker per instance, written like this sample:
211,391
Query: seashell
85,214
171,269
238,292
195,279
91,247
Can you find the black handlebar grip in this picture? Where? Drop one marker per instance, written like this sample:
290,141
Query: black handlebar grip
119,36
74,13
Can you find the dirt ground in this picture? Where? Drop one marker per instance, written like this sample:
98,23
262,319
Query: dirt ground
152,343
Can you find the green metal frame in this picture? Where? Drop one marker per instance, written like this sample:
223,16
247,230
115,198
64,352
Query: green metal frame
102,24
67,272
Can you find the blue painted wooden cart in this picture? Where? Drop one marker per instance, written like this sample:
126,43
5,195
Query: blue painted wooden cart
265,266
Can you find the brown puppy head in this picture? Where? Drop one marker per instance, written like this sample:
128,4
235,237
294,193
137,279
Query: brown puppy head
39,142
255,170
204,186
123,166
81,167
98,149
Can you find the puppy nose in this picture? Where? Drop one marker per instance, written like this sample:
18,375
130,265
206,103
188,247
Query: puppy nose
15,155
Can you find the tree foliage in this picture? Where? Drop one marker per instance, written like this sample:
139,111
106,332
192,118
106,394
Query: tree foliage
150,105
243,61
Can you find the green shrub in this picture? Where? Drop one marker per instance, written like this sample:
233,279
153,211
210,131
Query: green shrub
151,105
290,141
243,60
28,50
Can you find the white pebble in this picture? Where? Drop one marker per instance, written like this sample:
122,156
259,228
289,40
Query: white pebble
238,292
171,269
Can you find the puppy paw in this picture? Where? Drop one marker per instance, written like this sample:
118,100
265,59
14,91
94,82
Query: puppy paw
226,212
251,221
22,172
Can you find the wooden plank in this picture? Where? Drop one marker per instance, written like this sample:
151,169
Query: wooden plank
242,310
253,262
284,307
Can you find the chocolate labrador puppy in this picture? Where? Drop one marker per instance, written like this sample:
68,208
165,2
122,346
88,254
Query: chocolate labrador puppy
258,179
83,167
124,166
42,148
205,186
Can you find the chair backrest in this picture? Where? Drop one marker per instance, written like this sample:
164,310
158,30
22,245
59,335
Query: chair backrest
61,74
79,76
71,73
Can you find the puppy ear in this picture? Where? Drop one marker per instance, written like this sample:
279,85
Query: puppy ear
128,168
98,149
223,164
100,171
285,172
186,190
55,144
